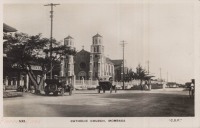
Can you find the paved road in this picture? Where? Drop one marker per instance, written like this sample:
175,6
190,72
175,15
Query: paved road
155,103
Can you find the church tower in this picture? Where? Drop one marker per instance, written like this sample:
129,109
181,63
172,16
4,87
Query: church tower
67,61
97,57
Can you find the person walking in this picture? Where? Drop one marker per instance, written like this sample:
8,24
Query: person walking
191,90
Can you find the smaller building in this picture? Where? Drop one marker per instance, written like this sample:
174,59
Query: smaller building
118,64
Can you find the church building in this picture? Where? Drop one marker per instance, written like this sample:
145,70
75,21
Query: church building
94,64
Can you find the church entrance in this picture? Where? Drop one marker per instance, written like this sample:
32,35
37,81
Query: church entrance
82,75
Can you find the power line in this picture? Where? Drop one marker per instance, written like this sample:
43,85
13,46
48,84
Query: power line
123,45
51,34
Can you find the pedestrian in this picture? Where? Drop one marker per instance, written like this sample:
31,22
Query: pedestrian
191,90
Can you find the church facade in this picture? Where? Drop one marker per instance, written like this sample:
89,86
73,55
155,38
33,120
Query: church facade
94,64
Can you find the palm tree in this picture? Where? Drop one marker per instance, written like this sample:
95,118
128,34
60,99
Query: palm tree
140,74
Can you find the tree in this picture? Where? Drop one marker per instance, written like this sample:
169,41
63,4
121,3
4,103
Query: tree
26,51
130,74
140,74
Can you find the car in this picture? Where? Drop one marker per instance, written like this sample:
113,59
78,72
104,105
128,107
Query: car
106,83
56,86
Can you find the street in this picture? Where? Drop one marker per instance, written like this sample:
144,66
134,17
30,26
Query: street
88,103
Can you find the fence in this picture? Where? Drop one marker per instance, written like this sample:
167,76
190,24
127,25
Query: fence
91,84
86,84
134,84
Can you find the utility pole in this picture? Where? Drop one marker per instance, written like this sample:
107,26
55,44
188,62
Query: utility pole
51,34
123,45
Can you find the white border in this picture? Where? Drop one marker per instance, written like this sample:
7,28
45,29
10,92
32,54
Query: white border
150,122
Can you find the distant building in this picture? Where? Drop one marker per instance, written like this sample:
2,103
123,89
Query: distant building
118,64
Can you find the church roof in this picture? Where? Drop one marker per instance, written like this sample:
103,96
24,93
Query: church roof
69,37
117,62
7,28
108,60
84,51
97,35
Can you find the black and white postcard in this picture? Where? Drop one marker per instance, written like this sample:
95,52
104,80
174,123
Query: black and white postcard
100,63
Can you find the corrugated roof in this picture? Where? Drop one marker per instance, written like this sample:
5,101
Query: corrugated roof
7,28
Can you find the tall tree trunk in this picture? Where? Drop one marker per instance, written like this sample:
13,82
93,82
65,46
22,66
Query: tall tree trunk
35,84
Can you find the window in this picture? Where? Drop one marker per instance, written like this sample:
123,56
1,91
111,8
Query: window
90,66
82,65
98,49
96,41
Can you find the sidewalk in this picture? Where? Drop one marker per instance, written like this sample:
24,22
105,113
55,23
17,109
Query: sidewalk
11,93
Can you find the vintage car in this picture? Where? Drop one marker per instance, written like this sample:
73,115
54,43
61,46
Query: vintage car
56,86
106,83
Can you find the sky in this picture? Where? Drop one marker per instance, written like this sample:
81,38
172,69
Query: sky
159,32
